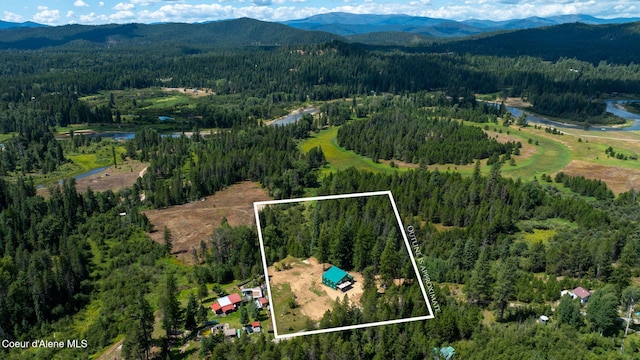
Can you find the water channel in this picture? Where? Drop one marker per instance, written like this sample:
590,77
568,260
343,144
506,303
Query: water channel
295,116
611,108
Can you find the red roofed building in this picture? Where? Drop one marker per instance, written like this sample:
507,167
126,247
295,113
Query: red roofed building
581,293
215,307
226,304
255,326
261,303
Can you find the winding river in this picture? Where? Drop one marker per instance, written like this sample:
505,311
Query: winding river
611,108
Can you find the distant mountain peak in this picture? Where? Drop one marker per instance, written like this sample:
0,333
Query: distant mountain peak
346,24
15,25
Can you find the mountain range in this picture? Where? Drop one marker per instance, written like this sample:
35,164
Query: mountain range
228,33
593,43
346,24
15,25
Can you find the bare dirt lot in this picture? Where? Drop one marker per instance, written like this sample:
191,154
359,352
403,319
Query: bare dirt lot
517,102
305,279
196,92
617,179
190,223
114,179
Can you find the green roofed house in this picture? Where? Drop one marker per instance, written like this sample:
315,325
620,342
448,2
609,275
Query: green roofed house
337,279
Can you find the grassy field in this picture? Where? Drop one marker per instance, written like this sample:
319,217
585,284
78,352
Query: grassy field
539,235
5,137
576,152
550,156
338,157
291,319
88,159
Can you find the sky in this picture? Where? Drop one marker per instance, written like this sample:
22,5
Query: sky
60,12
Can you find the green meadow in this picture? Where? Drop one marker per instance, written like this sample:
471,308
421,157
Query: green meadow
340,158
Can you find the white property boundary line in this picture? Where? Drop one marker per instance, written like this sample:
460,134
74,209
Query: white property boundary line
258,205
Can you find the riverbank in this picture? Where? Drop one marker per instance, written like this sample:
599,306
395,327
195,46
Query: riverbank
632,121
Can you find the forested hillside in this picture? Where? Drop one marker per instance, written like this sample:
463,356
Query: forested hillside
590,43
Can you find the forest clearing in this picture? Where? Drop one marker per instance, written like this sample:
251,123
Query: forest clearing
112,178
338,157
304,278
191,223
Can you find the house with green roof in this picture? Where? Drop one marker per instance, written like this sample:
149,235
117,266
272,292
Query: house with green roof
337,279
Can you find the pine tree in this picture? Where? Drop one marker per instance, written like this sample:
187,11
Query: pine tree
479,286
254,312
388,263
470,254
244,315
166,236
191,312
138,339
504,286
169,306
203,291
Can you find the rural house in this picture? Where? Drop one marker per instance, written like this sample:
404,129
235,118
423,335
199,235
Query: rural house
226,304
337,279
262,302
581,293
255,326
252,293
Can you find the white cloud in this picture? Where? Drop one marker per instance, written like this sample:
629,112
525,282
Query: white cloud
123,6
147,11
93,18
80,3
71,14
144,2
46,16
123,16
12,17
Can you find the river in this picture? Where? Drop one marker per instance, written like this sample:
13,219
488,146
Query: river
83,175
294,116
611,108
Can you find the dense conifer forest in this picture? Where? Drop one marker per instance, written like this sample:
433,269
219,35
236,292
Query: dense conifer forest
79,264
445,142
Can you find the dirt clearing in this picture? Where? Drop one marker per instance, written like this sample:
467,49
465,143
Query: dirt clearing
114,179
305,279
196,92
617,179
517,102
190,223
